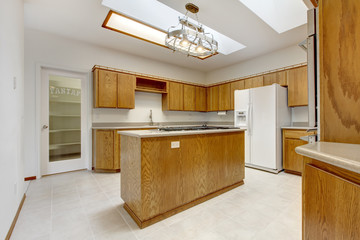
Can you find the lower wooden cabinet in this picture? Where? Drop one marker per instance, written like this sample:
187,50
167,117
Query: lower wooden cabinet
330,202
293,162
106,150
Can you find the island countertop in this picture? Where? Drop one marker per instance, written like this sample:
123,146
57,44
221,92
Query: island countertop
343,155
156,133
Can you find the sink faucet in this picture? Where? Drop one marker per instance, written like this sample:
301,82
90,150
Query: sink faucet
151,119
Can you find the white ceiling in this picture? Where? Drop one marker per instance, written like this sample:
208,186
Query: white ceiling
82,20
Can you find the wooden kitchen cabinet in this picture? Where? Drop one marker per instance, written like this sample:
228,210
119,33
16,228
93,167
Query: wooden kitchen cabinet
200,99
174,99
238,85
293,162
189,97
330,202
126,90
254,82
297,87
224,97
213,98
113,90
104,150
276,77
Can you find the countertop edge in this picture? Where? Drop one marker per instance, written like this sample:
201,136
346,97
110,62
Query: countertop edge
138,134
328,158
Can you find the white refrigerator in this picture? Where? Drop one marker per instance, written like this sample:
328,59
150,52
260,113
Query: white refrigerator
262,111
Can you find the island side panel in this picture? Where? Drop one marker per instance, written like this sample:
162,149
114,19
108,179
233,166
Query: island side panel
204,164
131,172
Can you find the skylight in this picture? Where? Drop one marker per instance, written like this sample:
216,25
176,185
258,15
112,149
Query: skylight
281,15
162,17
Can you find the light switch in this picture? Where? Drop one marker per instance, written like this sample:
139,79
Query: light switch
175,144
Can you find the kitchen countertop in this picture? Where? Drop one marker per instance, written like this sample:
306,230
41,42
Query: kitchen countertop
157,133
342,155
298,125
129,125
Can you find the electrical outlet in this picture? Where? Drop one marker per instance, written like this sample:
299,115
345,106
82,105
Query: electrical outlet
175,144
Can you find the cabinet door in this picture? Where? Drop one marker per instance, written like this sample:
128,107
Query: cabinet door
297,87
238,85
107,89
276,77
293,161
176,96
104,149
213,98
200,102
126,91
254,82
189,97
331,205
117,156
224,97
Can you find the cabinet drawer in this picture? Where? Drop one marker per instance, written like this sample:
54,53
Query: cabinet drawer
296,134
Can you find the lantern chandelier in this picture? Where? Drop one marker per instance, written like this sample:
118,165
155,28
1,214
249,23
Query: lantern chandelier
190,38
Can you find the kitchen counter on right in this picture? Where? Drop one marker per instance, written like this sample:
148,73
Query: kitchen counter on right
343,155
330,190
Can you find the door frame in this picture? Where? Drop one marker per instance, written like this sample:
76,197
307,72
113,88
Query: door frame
86,154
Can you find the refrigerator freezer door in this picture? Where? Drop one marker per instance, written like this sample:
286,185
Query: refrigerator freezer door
263,127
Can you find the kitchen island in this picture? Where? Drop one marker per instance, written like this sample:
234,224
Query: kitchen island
164,173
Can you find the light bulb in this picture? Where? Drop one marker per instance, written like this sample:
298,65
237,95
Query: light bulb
199,48
184,42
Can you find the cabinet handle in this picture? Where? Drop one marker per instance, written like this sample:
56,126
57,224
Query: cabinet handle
45,126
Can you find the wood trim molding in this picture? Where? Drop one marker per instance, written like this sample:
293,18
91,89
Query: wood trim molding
15,218
30,178
143,75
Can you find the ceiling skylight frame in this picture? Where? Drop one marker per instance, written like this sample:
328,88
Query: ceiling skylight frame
110,14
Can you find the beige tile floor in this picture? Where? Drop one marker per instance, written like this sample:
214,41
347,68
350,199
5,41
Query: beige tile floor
86,205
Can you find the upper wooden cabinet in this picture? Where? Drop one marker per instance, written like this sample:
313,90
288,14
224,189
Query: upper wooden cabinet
113,90
213,98
254,82
238,85
189,97
339,71
224,97
276,77
200,99
174,99
126,91
297,87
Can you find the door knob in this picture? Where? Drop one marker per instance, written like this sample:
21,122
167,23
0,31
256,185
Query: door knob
45,126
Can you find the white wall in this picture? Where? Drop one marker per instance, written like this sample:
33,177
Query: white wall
12,109
279,59
54,50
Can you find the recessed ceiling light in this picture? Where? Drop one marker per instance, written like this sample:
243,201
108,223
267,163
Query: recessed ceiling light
281,15
129,26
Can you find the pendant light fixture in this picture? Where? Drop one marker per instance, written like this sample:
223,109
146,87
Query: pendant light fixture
190,38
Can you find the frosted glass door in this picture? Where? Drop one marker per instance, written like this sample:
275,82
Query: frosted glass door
64,118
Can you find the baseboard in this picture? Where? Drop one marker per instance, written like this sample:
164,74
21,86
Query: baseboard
30,178
15,218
